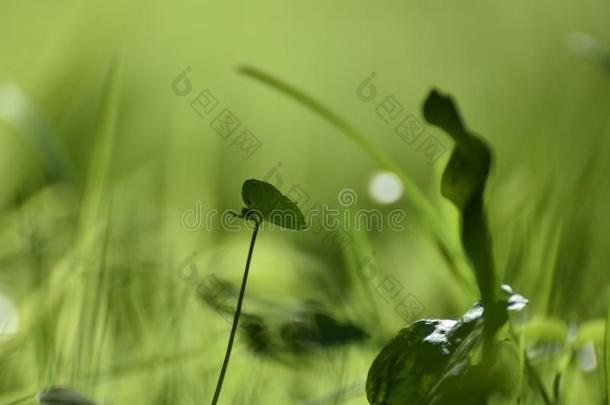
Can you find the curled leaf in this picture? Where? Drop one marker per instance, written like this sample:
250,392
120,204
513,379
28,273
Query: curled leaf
465,175
463,183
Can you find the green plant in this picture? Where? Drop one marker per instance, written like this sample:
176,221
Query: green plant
263,203
474,359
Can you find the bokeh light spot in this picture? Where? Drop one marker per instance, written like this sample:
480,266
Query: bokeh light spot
385,188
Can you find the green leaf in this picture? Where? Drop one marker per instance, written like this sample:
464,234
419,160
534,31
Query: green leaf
470,383
468,167
436,361
463,183
445,361
406,369
413,363
266,203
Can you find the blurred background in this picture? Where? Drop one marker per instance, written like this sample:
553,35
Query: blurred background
114,281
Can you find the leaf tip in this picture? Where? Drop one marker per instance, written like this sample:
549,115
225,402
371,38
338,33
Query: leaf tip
439,109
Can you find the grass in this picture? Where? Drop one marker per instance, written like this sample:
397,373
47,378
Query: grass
106,307
90,247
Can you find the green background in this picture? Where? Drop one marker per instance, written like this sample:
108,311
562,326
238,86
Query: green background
92,191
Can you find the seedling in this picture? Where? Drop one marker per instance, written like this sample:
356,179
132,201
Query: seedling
264,203
469,360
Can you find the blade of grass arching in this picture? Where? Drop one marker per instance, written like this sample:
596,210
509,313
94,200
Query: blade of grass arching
411,189
17,111
451,250
607,358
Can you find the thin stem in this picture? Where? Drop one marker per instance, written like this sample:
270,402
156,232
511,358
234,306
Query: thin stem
240,301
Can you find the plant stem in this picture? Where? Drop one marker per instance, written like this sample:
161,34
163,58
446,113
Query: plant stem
240,300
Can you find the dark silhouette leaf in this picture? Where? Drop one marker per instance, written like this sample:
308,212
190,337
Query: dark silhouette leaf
463,183
62,396
407,369
266,203
318,329
437,361
257,334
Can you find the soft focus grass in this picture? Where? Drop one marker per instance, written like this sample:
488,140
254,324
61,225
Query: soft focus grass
99,159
